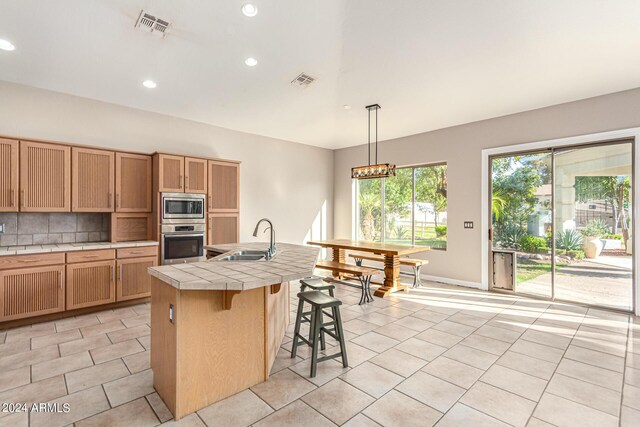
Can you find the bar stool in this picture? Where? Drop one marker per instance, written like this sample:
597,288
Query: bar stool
316,283
319,301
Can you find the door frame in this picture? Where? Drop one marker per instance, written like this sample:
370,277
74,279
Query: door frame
632,134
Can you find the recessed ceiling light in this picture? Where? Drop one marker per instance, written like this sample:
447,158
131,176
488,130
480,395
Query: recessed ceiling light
149,84
346,107
249,9
251,62
6,45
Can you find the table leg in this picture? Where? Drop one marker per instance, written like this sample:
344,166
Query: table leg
391,277
338,255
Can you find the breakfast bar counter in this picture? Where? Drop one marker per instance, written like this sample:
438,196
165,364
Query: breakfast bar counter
217,325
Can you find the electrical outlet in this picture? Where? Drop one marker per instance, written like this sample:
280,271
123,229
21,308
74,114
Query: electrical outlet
171,313
468,224
1,228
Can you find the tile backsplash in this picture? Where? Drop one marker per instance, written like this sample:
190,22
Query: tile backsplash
45,228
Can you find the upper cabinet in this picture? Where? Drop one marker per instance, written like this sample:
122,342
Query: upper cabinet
195,175
45,177
8,175
170,173
93,180
133,183
224,186
178,174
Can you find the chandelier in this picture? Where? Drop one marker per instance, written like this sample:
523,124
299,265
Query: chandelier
377,170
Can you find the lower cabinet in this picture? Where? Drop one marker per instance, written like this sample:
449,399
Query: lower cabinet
29,292
90,283
133,279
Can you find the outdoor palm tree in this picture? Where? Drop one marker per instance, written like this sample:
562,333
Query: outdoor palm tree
368,203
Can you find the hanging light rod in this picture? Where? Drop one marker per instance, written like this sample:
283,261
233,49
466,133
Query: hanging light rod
377,170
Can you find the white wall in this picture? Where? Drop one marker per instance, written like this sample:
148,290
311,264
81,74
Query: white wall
461,147
284,181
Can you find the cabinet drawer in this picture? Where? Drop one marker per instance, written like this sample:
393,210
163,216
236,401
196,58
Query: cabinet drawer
138,252
31,260
89,256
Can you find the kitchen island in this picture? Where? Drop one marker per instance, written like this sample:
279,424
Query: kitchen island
216,326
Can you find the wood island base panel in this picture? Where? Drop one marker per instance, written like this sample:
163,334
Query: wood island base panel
206,352
216,326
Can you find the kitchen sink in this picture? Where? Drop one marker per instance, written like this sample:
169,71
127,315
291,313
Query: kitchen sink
245,255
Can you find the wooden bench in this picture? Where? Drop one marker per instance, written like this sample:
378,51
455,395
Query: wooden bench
415,263
362,273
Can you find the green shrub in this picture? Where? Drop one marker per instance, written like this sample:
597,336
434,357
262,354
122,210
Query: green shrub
578,254
544,249
531,244
511,235
441,230
595,228
612,236
569,240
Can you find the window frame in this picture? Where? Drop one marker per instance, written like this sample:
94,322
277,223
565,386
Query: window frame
383,225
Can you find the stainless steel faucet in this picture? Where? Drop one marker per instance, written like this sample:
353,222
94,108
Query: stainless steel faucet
272,243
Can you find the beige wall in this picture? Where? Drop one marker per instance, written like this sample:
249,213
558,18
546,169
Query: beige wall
284,181
461,148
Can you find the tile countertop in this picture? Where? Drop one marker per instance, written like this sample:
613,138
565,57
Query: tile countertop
291,262
69,247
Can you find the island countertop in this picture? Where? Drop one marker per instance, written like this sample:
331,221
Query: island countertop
291,262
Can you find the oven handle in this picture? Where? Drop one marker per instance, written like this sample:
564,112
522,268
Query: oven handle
178,234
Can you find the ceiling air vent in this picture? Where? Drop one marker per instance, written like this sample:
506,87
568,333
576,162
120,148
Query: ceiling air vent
152,24
303,80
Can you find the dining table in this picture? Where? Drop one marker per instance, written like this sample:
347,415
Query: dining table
391,252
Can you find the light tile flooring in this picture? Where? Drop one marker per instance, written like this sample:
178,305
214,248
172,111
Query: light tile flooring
440,355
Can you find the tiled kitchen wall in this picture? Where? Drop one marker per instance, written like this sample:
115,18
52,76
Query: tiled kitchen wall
45,228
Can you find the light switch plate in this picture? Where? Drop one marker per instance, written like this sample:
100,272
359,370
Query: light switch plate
1,228
468,224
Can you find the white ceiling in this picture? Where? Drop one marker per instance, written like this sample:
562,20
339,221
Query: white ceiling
430,64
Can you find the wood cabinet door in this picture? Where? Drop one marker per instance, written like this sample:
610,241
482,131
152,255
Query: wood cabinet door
133,279
195,175
8,175
92,180
28,292
45,177
133,183
90,283
224,186
223,228
171,173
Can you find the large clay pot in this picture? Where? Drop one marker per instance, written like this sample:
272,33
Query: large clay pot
592,246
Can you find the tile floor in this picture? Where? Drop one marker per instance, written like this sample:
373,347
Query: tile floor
440,355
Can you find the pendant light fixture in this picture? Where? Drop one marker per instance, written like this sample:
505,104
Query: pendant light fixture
377,170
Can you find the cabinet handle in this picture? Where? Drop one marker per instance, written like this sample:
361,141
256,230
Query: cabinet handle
186,181
209,197
120,273
109,199
28,260
22,198
90,256
113,274
180,180
11,196
136,252
117,200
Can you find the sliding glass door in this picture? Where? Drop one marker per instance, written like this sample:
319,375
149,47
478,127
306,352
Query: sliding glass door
564,217
521,219
592,194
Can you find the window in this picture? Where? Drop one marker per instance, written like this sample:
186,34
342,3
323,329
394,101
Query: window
410,208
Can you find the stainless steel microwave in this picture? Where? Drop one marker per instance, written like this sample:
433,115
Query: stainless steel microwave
183,208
